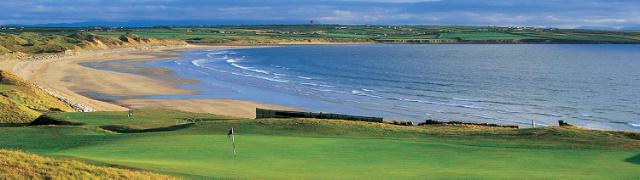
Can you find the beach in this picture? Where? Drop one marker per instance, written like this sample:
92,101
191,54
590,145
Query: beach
423,82
68,78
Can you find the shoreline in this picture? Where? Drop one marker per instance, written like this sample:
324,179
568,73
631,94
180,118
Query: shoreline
66,77
462,105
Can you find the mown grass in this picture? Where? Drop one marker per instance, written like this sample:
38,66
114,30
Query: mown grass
140,119
277,157
20,165
335,149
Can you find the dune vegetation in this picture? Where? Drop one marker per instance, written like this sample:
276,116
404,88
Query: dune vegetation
196,146
21,102
26,43
21,165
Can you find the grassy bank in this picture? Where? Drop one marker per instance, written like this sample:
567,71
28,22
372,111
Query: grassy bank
20,165
320,149
21,102
19,44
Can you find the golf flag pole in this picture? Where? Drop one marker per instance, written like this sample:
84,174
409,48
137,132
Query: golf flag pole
233,141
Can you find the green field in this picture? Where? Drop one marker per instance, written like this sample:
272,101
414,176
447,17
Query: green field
47,39
481,36
21,42
328,149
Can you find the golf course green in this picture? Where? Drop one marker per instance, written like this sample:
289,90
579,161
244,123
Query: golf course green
195,146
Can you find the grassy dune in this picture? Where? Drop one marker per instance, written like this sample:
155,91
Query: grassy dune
20,102
321,149
20,165
23,43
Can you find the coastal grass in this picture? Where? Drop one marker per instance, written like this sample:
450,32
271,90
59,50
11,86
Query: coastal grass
321,149
21,102
51,40
21,165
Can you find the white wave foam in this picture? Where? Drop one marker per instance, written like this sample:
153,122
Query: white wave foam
455,105
361,93
634,125
274,79
507,111
304,77
367,90
233,62
224,55
323,90
418,101
314,84
198,62
463,99
212,54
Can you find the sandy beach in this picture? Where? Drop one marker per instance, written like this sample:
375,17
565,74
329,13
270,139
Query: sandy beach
68,78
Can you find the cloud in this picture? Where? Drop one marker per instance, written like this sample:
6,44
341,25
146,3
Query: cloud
566,13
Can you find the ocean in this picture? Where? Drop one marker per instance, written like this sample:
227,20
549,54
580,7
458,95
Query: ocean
592,86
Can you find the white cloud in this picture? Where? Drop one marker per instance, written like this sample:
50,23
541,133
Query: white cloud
568,13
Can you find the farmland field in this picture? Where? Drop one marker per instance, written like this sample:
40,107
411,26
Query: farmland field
481,36
55,38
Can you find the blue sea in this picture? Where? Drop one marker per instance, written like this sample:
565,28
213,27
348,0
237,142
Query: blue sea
592,86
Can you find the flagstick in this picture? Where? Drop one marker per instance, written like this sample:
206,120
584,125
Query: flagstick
233,140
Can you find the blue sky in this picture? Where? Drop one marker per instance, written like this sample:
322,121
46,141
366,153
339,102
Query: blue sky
615,14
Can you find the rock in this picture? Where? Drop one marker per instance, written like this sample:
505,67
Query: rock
77,106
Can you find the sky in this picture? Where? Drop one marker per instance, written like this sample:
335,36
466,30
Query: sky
599,14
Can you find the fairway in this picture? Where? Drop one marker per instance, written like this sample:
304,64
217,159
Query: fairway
318,149
350,158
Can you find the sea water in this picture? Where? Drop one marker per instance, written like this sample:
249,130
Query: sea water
592,86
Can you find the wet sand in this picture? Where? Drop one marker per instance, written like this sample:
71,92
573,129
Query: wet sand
67,77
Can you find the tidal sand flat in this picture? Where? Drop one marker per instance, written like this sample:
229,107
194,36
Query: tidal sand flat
592,86
105,90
